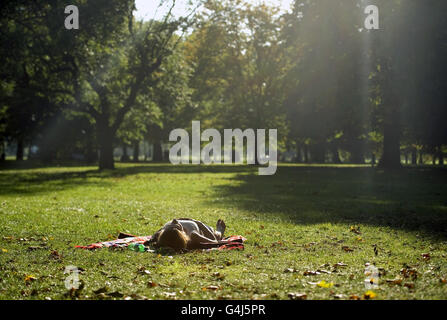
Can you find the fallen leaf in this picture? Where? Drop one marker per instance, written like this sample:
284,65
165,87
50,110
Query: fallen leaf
347,249
394,281
297,296
212,288
354,297
376,251
101,295
426,256
101,290
355,229
218,275
30,278
55,255
311,273
409,272
324,284
169,294
135,296
307,245
409,285
277,243
33,248
115,294
324,271
369,295
340,264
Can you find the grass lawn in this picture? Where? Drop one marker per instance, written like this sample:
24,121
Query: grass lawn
304,225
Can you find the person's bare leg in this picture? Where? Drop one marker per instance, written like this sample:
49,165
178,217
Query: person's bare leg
220,227
201,242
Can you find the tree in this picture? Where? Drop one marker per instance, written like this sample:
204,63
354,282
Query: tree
324,103
113,71
238,66
28,76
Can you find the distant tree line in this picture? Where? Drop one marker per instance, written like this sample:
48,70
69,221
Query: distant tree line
335,91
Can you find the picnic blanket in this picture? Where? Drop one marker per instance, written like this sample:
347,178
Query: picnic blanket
232,242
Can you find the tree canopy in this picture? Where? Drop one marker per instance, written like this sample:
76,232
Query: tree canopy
335,91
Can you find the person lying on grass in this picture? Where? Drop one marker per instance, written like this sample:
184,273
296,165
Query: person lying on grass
187,234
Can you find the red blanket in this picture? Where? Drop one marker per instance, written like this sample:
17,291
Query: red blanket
232,242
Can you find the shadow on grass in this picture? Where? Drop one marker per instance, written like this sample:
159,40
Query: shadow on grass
30,183
410,199
29,178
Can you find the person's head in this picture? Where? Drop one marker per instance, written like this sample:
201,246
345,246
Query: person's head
173,238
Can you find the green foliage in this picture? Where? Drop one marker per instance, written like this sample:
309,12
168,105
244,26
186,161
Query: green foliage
314,73
238,66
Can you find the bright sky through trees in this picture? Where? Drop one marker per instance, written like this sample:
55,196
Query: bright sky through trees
147,9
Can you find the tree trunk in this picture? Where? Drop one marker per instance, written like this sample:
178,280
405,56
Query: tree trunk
136,151
357,157
414,157
158,154
441,157
318,153
124,156
306,154
391,121
3,155
421,157
335,155
105,142
90,153
391,147
298,158
373,159
20,148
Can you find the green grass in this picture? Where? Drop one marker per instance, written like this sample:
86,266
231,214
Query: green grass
300,218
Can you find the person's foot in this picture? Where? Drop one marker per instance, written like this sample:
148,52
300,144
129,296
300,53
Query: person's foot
220,226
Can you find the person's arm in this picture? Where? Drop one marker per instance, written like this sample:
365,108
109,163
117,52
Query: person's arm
198,241
123,235
207,231
154,238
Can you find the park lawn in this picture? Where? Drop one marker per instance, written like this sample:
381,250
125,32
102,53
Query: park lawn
301,220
